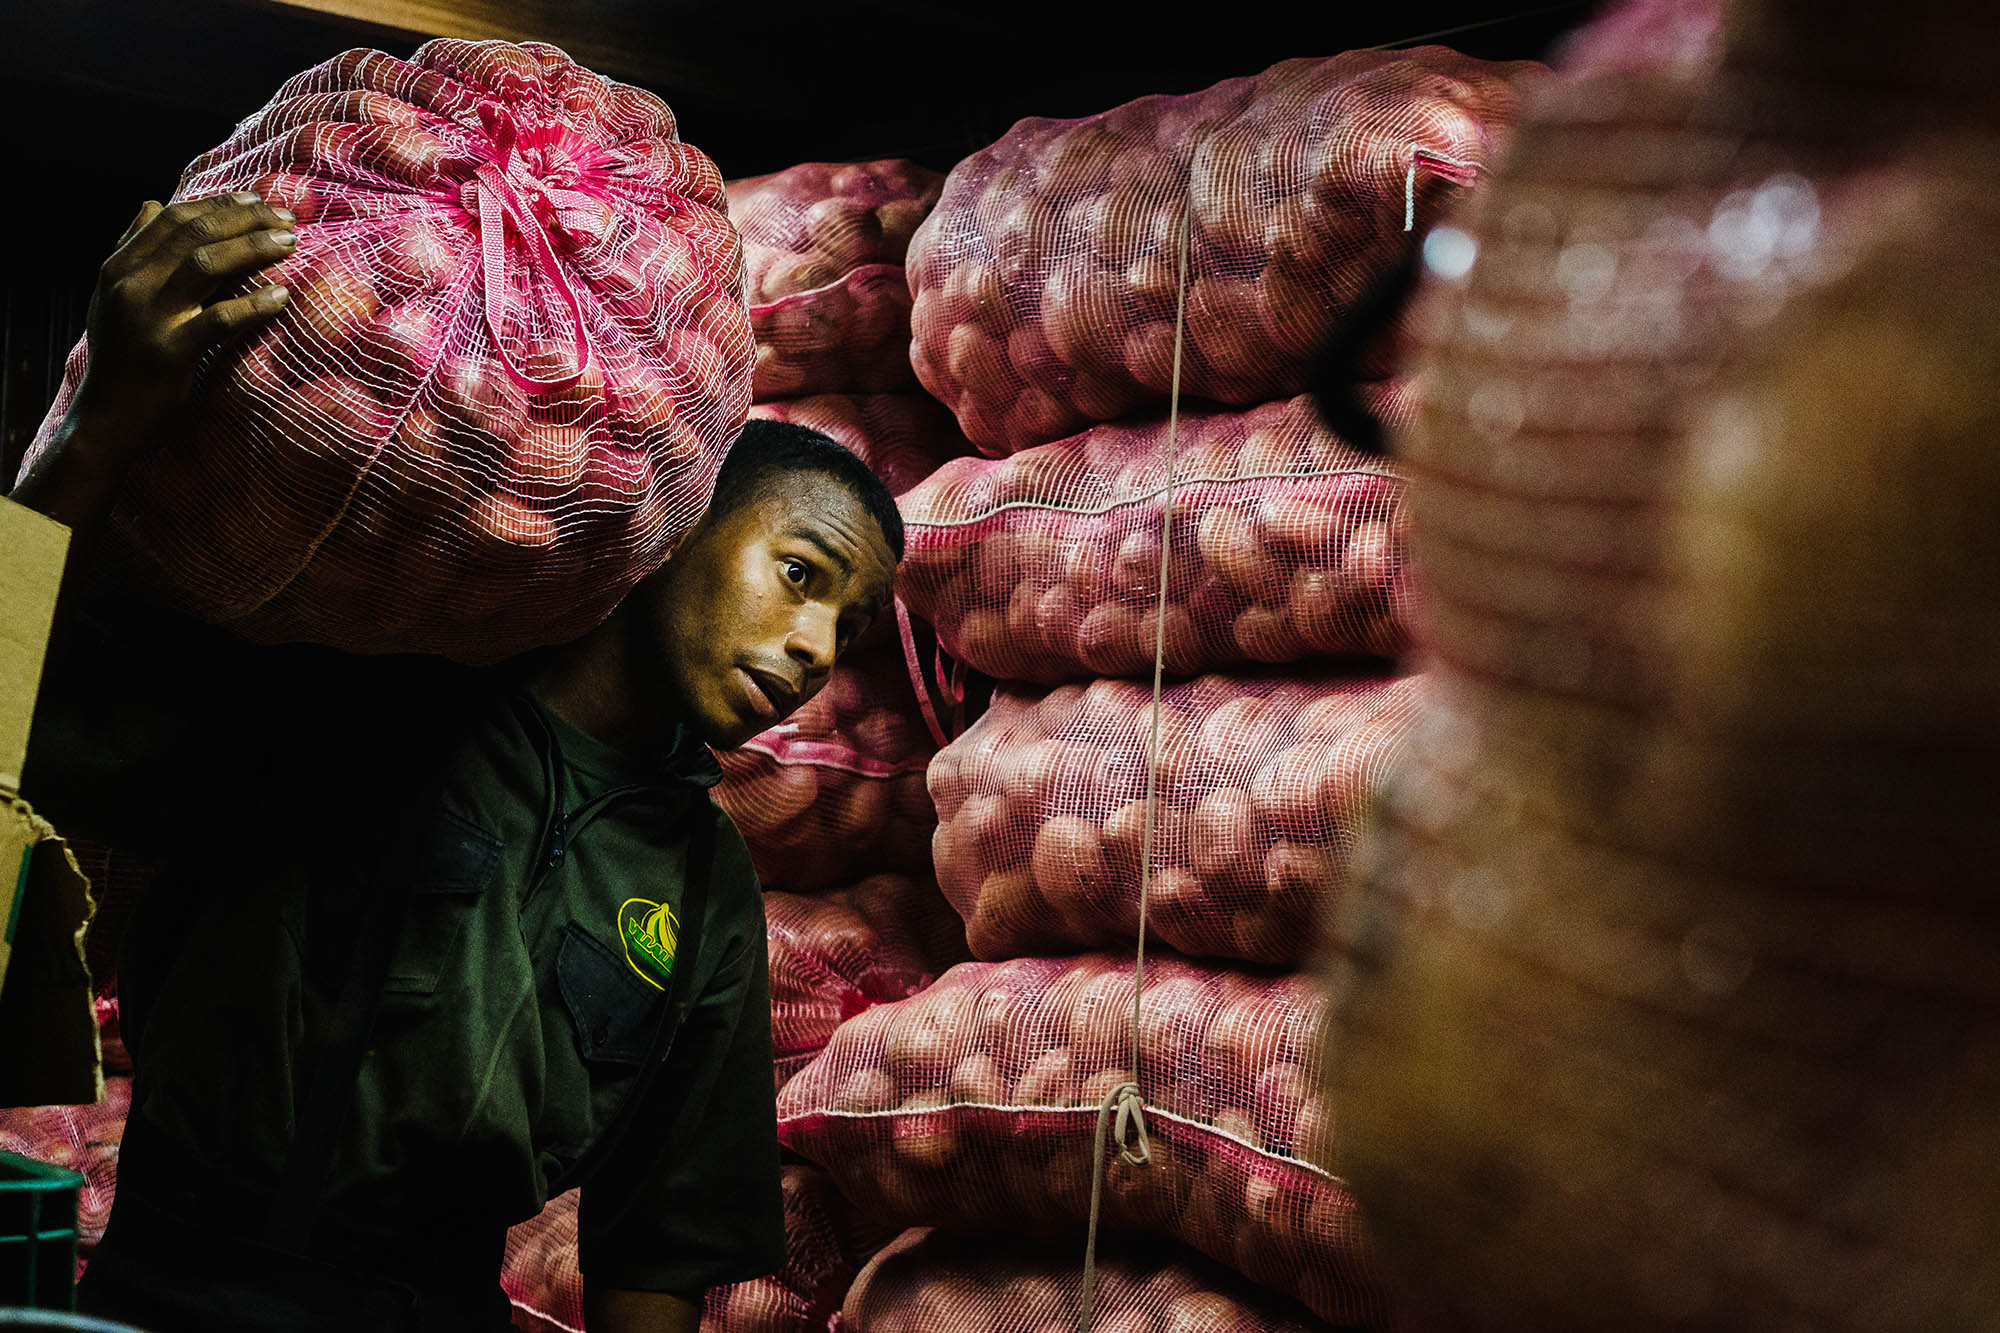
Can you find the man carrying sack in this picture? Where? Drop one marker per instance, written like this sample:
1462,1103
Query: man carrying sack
432,944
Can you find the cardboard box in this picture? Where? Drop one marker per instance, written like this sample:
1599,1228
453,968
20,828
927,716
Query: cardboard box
32,552
49,1052
48,1025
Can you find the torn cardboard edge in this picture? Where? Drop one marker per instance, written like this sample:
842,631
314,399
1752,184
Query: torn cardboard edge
33,549
49,1048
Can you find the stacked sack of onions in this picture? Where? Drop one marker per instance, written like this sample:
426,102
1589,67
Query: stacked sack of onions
1668,997
828,1247
823,251
1048,284
928,1280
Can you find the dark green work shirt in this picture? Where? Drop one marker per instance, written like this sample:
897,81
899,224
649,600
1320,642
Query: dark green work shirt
545,873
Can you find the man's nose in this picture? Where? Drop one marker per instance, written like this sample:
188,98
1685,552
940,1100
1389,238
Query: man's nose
814,640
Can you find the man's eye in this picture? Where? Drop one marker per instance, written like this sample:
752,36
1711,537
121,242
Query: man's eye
796,571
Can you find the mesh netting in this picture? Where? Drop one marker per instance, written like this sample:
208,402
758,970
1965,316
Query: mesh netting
974,1105
828,1246
823,248
836,792
1649,232
835,954
1262,783
1646,36
850,336
1045,566
515,351
539,1270
84,1139
1623,1030
931,1281
1045,281
808,225
1704,979
903,437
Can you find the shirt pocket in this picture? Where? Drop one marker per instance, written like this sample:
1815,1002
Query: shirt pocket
449,878
615,1011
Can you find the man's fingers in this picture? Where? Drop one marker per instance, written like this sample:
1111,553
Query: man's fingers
225,262
180,229
190,211
164,228
225,319
147,212
224,218
138,239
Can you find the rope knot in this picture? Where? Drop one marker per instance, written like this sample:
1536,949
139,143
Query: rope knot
1130,1109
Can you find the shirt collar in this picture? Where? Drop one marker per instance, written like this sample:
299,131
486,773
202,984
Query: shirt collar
691,761
684,759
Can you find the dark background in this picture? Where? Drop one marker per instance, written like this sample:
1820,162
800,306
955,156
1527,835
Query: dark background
103,101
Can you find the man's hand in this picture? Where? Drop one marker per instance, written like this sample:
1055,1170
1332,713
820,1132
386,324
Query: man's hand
164,298
608,1311
173,289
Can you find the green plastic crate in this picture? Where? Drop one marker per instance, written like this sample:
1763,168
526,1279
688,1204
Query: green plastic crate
37,1233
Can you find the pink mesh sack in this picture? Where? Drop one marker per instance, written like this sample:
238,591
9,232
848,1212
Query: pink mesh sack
1045,282
850,336
1691,851
823,249
835,954
903,437
927,1281
808,225
1262,785
1551,461
1646,37
837,791
974,1105
828,1246
515,352
83,1139
1045,566
539,1271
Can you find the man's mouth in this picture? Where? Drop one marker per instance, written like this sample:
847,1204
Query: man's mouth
770,697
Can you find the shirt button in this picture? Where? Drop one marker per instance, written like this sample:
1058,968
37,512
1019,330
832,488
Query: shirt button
600,1034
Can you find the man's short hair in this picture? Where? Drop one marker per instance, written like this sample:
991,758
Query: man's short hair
765,451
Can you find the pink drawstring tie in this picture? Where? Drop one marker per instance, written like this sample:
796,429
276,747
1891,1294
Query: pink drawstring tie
504,188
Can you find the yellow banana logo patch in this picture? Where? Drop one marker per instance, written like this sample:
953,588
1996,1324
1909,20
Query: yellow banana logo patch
650,931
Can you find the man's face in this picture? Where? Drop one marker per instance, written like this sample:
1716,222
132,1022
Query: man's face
751,614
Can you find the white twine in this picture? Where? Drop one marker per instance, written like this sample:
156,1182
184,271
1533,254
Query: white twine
1125,1101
